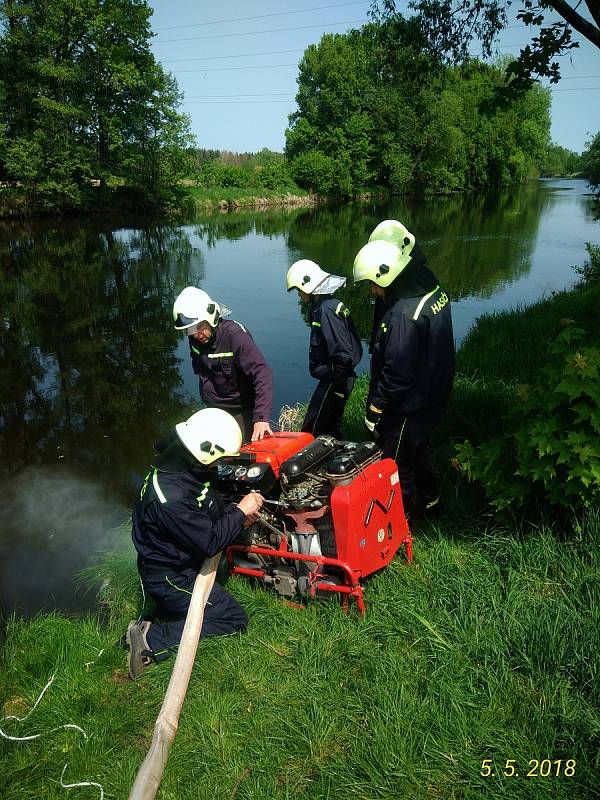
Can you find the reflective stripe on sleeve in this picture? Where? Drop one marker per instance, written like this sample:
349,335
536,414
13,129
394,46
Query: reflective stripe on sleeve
423,301
220,355
157,488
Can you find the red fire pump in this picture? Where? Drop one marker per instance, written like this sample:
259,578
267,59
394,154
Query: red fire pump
333,514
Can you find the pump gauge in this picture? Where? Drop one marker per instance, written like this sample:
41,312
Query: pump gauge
254,472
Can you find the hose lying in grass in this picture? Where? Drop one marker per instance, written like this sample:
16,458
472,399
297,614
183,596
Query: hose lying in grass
67,726
31,710
150,773
83,783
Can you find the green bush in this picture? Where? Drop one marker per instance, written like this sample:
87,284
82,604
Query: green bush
590,271
548,448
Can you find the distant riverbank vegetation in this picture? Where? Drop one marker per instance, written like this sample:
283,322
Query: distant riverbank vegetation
89,120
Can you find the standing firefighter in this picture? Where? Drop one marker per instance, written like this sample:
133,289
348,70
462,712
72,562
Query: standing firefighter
335,349
412,364
233,373
179,520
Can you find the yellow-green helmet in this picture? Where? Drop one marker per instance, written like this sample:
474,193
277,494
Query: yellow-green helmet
380,262
390,230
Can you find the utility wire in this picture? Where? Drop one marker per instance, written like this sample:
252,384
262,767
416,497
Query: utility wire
227,69
255,33
261,16
214,96
233,55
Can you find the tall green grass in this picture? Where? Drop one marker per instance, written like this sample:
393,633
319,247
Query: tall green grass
486,647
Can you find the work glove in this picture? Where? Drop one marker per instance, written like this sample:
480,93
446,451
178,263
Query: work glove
372,418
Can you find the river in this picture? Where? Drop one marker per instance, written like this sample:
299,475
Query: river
93,372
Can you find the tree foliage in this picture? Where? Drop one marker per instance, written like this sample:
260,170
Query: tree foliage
560,161
449,27
375,108
263,170
590,161
82,100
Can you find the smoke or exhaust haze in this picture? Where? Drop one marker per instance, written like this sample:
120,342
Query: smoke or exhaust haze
51,524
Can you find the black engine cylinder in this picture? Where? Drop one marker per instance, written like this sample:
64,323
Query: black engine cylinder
309,458
352,457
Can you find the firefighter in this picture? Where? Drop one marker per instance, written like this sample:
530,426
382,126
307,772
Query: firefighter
179,520
232,371
335,349
412,363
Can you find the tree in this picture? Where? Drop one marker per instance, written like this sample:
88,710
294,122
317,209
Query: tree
560,161
590,161
450,26
399,119
84,99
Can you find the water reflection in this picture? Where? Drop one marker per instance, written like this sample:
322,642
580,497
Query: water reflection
89,372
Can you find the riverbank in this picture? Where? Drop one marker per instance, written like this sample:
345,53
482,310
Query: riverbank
485,648
187,200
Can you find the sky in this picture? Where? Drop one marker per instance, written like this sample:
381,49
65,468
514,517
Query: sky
236,63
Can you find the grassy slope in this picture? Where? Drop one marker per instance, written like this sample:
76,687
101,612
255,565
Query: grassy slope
487,647
233,196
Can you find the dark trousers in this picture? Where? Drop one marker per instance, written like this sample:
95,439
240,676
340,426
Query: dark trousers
326,409
405,439
172,593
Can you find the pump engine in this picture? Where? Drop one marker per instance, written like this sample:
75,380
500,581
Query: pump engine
333,514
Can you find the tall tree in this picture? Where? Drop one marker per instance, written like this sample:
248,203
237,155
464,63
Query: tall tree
373,106
451,26
84,99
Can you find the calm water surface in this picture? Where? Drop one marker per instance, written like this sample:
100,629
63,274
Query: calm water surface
92,370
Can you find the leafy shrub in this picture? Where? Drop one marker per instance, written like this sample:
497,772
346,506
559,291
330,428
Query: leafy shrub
548,448
590,271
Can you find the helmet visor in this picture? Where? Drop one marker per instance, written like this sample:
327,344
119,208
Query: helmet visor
329,285
185,323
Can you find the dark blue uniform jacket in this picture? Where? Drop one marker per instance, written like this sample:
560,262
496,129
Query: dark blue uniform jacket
412,366
335,348
179,520
233,372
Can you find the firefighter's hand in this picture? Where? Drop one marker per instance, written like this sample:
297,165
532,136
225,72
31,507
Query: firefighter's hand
260,430
251,505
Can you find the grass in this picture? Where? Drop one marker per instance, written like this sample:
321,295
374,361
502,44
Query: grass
486,647
198,197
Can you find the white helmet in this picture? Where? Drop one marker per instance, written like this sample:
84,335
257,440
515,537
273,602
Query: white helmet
310,278
390,230
210,434
193,306
380,262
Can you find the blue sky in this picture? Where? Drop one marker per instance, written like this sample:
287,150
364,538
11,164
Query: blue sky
238,75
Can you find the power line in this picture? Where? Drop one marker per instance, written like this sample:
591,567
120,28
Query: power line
236,102
261,16
229,69
233,55
255,33
213,96
578,89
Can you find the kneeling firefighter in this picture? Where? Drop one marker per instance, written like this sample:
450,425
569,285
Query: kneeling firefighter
412,364
179,520
335,349
233,372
